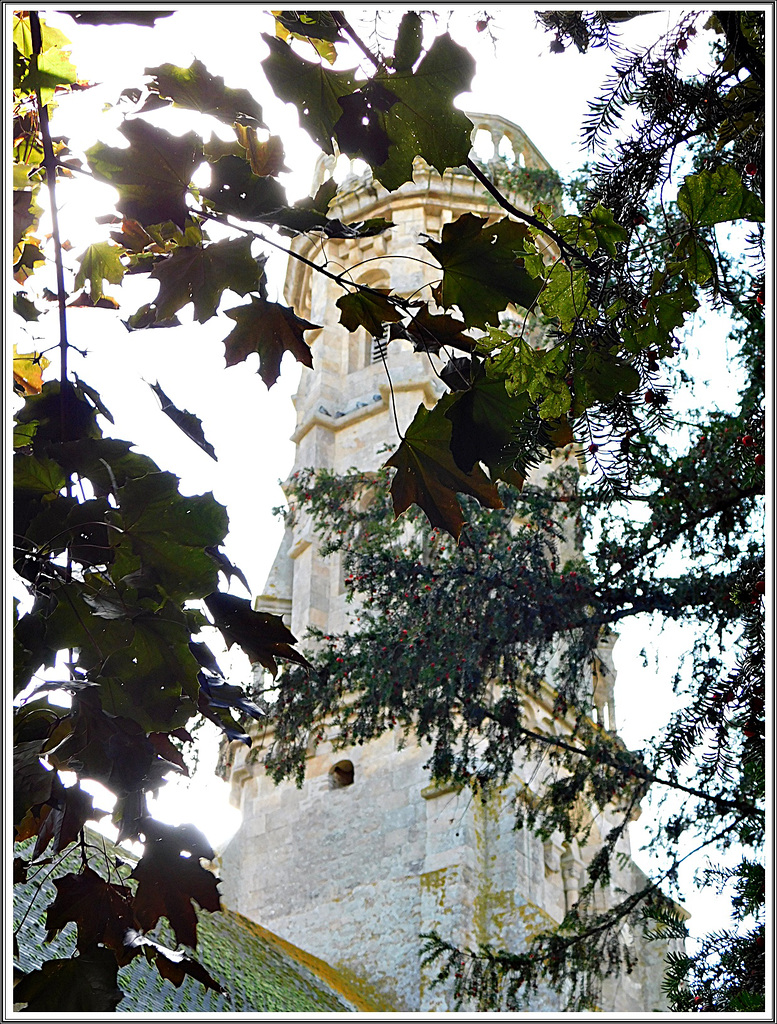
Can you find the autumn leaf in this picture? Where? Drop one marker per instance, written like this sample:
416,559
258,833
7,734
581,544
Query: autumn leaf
200,275
100,261
265,158
152,174
262,636
172,964
101,910
86,983
69,808
28,370
269,329
427,474
197,89
169,884
482,269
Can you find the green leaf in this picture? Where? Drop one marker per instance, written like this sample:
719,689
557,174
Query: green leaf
169,532
407,48
152,175
608,232
565,296
482,269
100,262
195,88
53,69
578,231
424,122
313,89
235,189
369,310
712,197
24,307
185,421
25,213
600,379
427,474
200,275
37,475
485,421
269,329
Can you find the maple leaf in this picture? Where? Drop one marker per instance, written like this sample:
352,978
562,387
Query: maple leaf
427,474
101,910
482,269
484,420
200,275
172,964
262,636
152,175
197,89
68,811
428,332
269,329
369,309
28,370
236,190
169,884
100,261
313,89
185,421
86,983
265,158
424,121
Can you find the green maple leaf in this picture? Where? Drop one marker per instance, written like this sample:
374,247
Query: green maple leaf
269,329
482,269
423,121
712,197
565,296
235,189
485,421
367,309
197,89
100,262
607,230
152,175
200,275
313,89
427,474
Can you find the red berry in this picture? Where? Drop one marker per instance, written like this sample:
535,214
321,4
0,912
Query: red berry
644,303
747,440
638,219
593,448
759,587
759,459
760,298
650,396
481,26
751,169
682,44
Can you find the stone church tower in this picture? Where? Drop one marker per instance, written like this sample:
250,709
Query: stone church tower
369,854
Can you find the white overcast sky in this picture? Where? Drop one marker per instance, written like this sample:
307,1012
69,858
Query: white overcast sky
517,77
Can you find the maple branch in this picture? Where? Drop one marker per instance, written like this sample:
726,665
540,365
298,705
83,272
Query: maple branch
565,247
342,22
50,164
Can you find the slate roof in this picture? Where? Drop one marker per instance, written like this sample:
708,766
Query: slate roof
260,972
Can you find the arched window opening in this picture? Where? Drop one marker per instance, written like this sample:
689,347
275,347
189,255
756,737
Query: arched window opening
341,775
